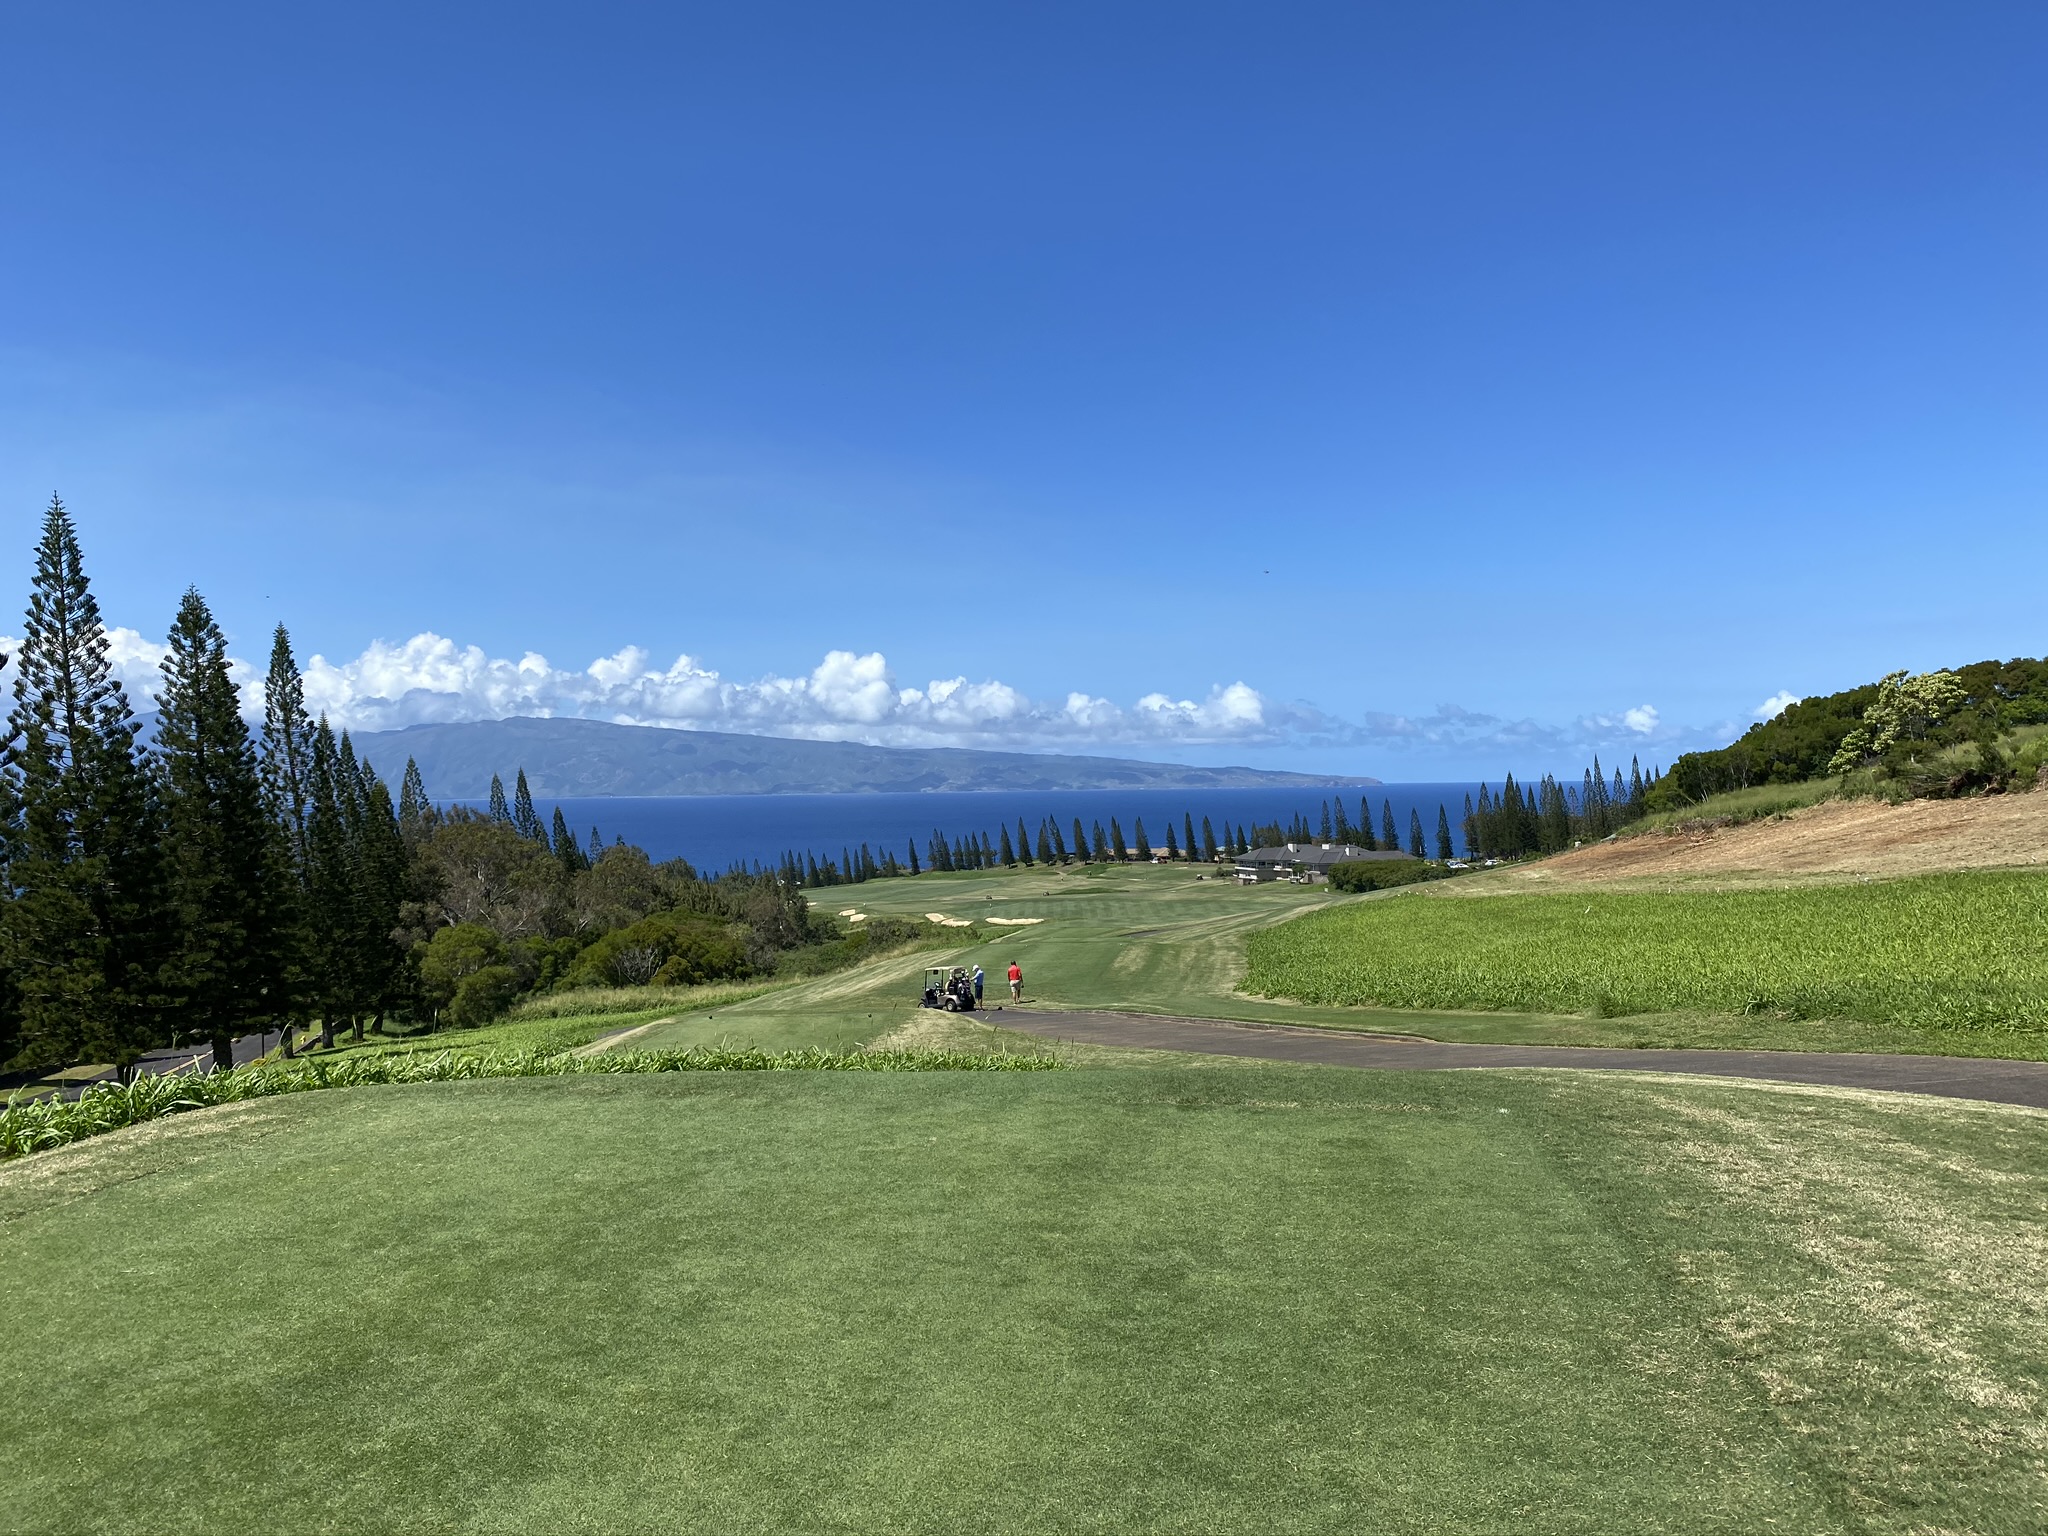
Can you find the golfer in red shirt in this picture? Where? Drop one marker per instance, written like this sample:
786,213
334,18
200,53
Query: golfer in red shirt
1016,982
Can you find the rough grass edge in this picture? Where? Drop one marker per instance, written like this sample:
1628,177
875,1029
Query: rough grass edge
39,1125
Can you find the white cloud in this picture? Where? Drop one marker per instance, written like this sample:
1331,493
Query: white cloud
847,696
851,696
1776,704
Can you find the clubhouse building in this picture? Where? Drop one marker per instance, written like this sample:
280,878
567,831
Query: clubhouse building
1305,863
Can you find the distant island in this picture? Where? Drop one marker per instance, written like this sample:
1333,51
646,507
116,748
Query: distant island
566,758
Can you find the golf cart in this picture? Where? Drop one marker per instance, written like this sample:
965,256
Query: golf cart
952,990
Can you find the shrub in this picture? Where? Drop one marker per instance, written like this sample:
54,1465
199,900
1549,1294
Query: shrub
452,956
482,996
671,949
1383,874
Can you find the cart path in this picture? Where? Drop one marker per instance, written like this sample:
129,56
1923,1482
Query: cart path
1952,1077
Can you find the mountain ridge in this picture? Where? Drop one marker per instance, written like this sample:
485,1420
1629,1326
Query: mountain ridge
567,757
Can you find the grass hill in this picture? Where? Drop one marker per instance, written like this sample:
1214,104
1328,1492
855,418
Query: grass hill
594,757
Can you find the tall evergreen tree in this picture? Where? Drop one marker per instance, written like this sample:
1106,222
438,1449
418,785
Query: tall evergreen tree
1208,842
1009,854
1187,829
1081,841
562,840
88,931
1045,833
1117,846
500,812
1023,843
287,745
228,862
1143,847
1172,847
595,849
913,858
525,820
1344,831
413,807
1328,832
331,887
1100,846
1415,843
382,866
1443,833
1389,838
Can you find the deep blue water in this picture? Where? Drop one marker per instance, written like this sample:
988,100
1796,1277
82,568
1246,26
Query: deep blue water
714,831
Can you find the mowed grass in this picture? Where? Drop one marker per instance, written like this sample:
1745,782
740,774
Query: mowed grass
1154,939
1939,952
1275,1299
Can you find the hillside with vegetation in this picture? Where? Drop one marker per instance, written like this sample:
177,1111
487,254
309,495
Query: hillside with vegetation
1974,728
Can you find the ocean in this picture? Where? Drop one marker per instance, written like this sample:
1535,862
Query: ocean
716,831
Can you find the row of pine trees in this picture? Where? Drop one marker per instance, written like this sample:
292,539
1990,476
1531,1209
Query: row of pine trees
208,885
1094,844
1553,816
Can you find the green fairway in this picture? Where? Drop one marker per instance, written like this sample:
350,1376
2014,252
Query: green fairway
1953,951
1236,1300
1156,939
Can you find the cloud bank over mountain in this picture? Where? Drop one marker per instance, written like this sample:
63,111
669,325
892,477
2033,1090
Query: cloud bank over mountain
430,679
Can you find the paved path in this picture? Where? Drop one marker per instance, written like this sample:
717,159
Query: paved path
1953,1077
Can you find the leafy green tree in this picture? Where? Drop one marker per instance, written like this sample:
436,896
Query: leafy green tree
88,931
229,865
1905,710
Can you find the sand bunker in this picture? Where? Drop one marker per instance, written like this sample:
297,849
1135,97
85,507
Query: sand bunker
946,922
1012,922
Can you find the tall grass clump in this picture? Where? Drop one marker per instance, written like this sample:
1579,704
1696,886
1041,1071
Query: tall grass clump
36,1126
1950,951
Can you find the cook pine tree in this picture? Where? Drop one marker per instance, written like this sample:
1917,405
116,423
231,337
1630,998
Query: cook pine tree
87,934
227,861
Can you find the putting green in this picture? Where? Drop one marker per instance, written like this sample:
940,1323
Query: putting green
1243,1299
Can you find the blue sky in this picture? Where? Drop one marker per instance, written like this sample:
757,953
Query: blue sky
1557,363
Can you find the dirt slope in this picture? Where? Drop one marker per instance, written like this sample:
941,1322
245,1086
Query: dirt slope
1837,839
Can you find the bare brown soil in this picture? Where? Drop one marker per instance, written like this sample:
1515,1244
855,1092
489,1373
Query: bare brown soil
1836,840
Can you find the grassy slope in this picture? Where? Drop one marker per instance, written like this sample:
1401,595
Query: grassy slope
1934,953
1154,939
1259,1300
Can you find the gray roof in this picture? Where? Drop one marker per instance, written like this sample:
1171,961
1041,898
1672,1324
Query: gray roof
1315,855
